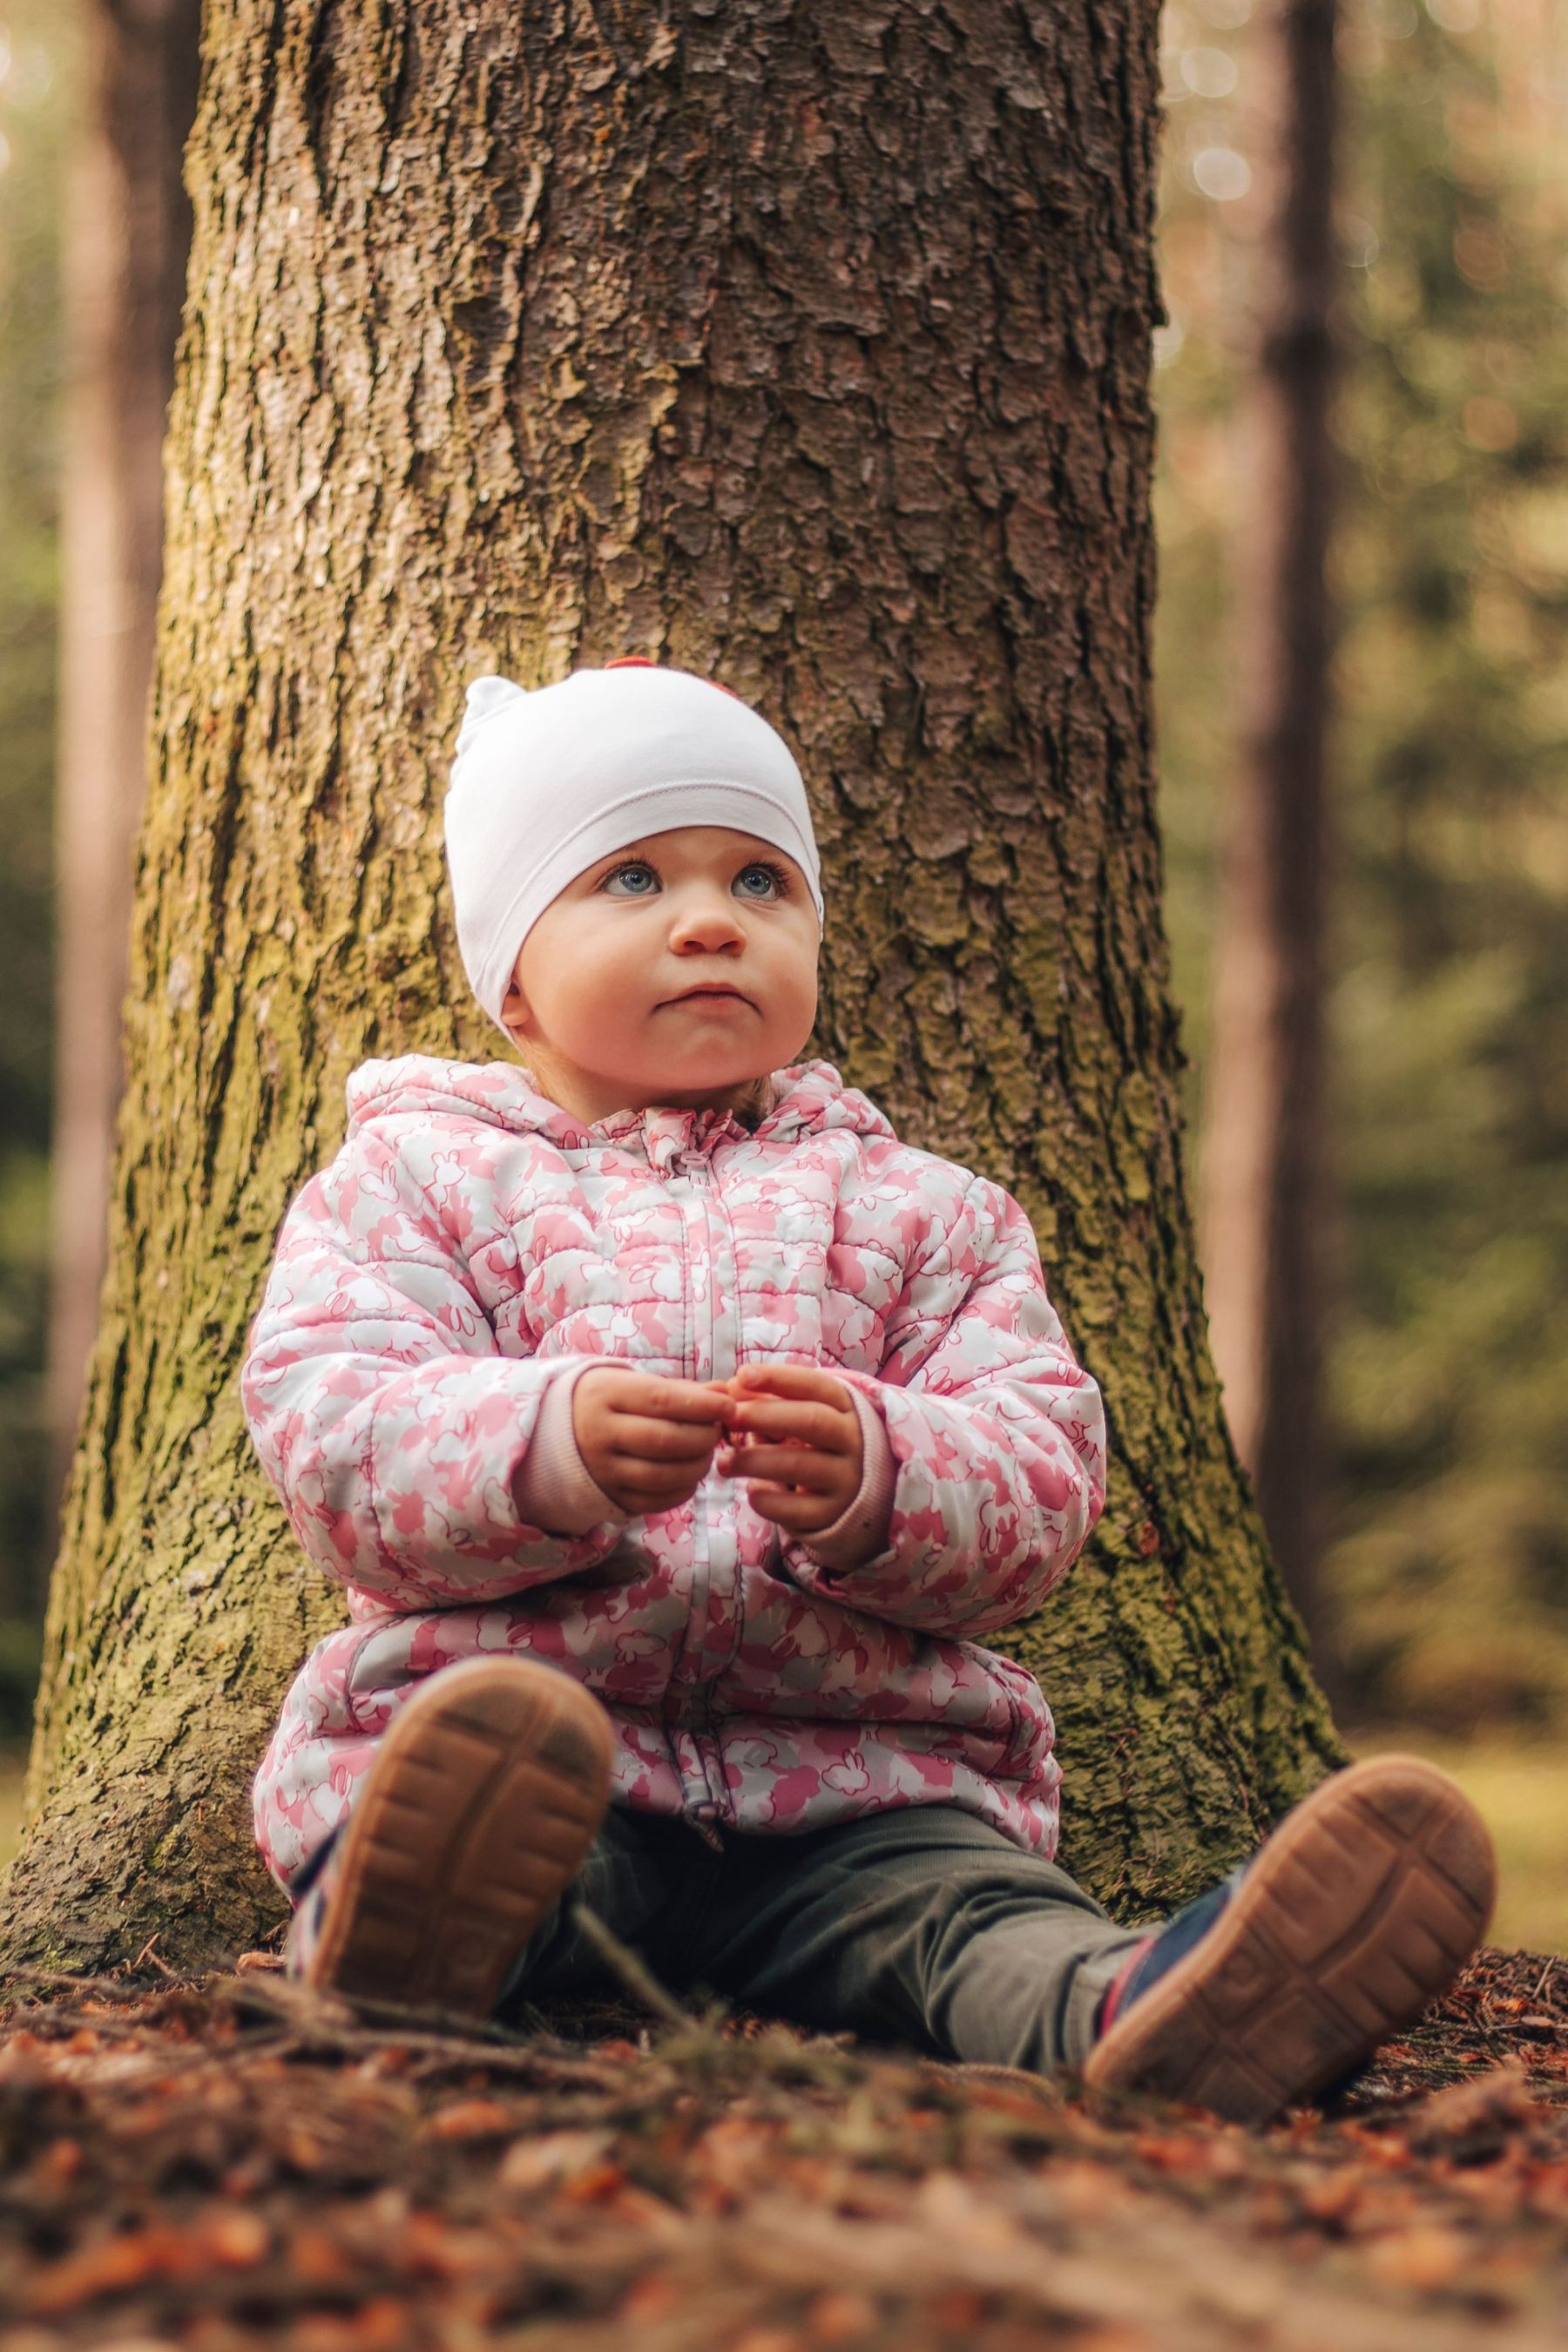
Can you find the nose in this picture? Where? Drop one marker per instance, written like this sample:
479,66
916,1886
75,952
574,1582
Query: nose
705,918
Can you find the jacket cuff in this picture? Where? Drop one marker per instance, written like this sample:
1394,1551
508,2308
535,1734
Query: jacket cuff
860,1531
554,1488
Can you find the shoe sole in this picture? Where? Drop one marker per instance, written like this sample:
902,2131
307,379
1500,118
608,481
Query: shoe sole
485,1795
1366,1902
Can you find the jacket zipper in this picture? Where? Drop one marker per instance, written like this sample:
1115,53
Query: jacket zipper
699,1715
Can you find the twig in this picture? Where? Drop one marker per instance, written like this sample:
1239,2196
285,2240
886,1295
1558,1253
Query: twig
629,1970
313,2018
23,1980
170,1976
336,2015
319,2027
541,2068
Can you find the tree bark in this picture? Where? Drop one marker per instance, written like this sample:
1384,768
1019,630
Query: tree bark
805,347
1264,1161
128,240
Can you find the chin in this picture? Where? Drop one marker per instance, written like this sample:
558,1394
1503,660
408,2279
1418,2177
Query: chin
705,1080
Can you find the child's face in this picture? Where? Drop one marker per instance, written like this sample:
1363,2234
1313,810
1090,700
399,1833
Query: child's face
602,1007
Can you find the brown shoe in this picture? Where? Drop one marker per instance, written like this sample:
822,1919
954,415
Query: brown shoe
1366,1903
484,1797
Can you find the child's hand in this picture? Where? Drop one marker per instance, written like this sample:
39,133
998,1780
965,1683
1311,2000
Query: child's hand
647,1440
804,1460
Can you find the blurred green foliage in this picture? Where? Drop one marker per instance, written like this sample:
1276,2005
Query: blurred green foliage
35,51
1449,1013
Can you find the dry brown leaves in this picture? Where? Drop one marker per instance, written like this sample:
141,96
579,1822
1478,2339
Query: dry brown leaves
226,2164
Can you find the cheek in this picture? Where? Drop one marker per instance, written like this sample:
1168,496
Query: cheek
795,970
599,976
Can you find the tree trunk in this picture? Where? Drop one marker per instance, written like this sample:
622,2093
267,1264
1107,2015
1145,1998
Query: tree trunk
808,348
128,239
1264,1162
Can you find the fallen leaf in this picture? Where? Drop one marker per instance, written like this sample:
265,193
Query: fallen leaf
317,2259
109,2267
1425,2258
470,2119
649,2300
236,2239
540,2163
840,2316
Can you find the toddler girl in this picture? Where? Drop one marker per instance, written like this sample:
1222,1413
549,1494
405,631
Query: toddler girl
679,1435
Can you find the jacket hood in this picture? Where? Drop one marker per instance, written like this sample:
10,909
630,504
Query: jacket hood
808,1096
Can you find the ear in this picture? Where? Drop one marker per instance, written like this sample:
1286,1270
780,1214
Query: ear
513,1007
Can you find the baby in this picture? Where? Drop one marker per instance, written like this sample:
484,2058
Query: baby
679,1435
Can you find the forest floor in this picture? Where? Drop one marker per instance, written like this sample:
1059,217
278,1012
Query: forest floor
230,2163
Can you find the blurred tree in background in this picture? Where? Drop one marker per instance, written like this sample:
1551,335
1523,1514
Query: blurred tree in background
94,229
37,58
127,242
1447,1563
1263,1206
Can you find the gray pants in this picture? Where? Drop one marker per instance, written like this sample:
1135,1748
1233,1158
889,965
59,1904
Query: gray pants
921,1926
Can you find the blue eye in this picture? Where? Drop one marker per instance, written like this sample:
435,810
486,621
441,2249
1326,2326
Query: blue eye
633,866
772,874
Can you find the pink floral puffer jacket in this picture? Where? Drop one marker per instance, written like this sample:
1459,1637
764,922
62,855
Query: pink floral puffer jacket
471,1244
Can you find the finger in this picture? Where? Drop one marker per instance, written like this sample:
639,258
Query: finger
643,1439
783,1465
692,1401
786,1379
653,1486
806,1424
798,1514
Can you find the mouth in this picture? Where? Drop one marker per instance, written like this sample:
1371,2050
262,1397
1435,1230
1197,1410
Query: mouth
707,994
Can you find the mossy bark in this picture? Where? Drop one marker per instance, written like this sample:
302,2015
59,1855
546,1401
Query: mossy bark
805,346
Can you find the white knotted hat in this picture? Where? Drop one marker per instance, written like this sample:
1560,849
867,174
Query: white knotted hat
545,782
